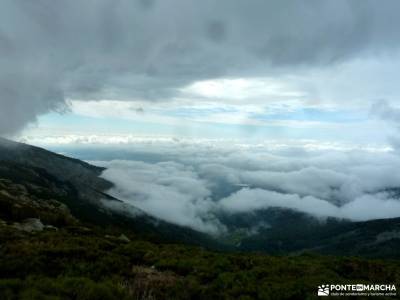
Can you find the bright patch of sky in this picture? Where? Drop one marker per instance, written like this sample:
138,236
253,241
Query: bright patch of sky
203,113
328,105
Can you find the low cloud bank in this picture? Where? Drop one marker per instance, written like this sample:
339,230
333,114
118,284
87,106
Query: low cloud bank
365,207
192,184
167,190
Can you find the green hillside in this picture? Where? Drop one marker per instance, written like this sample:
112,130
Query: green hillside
81,262
57,242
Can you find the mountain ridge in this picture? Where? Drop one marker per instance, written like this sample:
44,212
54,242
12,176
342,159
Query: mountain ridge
57,243
77,185
47,176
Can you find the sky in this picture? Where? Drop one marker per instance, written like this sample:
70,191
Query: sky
200,69
309,86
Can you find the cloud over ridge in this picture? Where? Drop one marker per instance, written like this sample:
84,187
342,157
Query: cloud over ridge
192,185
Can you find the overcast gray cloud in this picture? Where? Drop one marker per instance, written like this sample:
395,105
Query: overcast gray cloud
51,51
391,114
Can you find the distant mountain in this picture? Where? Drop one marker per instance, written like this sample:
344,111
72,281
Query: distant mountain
284,231
59,239
61,191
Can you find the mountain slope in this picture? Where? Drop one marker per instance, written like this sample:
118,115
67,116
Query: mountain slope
57,241
295,232
94,263
36,183
30,173
82,175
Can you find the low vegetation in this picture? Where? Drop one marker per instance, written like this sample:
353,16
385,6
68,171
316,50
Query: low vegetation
56,245
78,262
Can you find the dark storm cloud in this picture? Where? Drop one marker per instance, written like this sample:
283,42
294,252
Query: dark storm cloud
53,50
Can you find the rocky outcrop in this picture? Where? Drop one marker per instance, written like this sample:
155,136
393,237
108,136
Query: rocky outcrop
21,201
29,225
124,238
